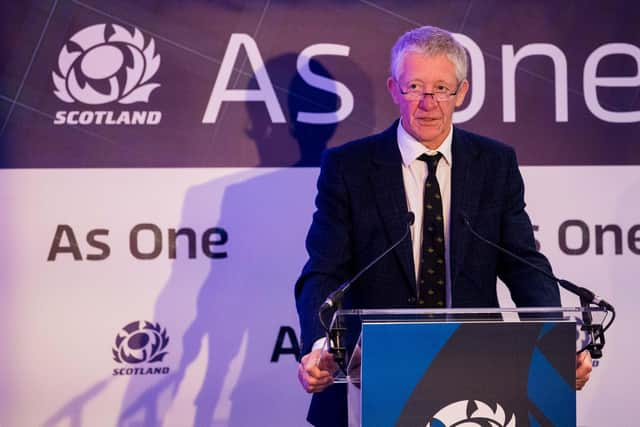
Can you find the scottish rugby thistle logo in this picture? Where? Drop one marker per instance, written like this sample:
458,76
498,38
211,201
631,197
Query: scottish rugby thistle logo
139,343
471,413
106,63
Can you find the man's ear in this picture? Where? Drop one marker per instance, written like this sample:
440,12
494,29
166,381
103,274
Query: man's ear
462,92
392,88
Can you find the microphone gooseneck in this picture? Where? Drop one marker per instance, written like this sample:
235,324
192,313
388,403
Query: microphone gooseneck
335,334
335,298
581,292
587,297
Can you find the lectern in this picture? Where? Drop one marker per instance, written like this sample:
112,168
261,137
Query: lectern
452,367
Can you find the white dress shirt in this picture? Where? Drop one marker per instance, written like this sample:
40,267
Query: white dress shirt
414,175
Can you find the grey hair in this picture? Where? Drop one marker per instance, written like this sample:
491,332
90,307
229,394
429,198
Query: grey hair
430,41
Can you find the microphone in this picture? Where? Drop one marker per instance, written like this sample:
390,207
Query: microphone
335,335
335,298
585,294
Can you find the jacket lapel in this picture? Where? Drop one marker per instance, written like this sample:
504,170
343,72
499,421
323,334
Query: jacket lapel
466,182
388,185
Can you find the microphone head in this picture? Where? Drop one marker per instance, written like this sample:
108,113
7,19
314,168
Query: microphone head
411,218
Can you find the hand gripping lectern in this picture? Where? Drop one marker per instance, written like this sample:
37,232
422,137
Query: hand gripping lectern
457,367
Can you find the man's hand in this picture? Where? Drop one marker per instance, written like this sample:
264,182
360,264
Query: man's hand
315,371
583,369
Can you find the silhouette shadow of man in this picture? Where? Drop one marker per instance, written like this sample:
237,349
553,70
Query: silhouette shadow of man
244,299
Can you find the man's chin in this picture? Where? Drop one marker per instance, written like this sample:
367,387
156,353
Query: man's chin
429,136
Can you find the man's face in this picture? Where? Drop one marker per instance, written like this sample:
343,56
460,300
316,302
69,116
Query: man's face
427,120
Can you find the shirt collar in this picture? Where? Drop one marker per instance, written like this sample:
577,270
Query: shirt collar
410,148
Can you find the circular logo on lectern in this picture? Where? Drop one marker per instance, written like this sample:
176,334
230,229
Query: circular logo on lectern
471,413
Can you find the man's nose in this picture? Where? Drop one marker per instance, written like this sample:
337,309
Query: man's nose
428,102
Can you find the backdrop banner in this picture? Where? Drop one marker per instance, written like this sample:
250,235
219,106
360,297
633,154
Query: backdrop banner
158,163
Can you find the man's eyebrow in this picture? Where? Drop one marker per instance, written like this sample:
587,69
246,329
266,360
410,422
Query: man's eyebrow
416,80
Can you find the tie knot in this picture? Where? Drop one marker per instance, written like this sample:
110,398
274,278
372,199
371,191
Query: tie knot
432,161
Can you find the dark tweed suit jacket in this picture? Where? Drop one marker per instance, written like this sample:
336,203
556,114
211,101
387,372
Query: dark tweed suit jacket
361,210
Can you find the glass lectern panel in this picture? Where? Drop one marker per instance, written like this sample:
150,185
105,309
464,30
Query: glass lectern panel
400,363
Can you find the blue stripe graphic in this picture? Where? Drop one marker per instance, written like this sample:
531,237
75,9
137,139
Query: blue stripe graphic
395,358
550,392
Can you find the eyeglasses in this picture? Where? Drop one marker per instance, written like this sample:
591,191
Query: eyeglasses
416,92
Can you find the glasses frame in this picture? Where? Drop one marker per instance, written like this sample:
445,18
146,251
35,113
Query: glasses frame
444,97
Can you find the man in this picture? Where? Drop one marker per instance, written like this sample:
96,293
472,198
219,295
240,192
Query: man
446,177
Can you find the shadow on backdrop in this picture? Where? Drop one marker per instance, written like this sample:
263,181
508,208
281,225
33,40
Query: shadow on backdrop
73,410
242,301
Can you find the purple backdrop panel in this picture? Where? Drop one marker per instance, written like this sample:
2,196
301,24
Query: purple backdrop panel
122,84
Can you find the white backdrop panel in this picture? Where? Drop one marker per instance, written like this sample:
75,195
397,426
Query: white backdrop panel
223,315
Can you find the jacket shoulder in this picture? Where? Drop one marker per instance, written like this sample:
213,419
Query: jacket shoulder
480,146
362,150
481,142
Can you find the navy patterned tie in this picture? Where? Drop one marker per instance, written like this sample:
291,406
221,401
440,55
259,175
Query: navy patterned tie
431,281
